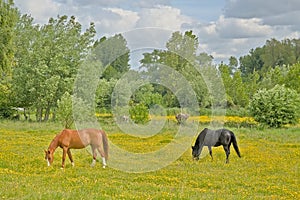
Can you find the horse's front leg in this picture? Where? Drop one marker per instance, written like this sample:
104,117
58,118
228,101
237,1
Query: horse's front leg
65,149
70,157
210,152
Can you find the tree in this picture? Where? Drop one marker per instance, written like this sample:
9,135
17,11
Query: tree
252,62
181,55
114,55
65,111
9,16
47,61
275,107
292,79
233,64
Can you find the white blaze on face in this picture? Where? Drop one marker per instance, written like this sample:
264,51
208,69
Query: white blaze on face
48,163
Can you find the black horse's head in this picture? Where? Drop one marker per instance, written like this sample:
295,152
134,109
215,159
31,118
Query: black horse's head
195,152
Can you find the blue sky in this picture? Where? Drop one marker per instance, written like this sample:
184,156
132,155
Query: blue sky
203,10
224,27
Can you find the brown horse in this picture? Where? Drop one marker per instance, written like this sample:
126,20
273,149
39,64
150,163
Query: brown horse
73,139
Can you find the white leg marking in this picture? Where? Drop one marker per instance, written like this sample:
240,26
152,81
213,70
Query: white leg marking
103,162
72,163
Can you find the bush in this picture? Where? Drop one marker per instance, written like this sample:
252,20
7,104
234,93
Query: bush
139,113
275,107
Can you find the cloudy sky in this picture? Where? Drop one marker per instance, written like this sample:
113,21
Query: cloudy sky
224,27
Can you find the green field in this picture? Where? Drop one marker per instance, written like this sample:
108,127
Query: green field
268,169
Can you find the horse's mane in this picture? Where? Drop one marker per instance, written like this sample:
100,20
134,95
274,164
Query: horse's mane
201,136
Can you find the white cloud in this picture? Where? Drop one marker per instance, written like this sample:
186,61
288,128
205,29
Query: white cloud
241,28
41,10
244,24
116,20
162,16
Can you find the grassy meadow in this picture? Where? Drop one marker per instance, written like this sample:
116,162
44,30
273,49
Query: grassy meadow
268,169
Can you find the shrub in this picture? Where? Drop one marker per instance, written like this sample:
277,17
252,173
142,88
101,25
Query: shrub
275,107
139,113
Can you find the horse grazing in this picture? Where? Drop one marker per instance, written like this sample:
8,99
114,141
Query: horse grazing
215,138
181,118
73,139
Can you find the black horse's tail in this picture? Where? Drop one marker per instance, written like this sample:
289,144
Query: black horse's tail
234,142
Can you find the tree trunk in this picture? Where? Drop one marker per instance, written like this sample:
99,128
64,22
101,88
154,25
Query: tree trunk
47,113
39,114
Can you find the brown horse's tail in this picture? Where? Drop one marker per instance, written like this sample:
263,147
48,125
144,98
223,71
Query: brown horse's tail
235,146
105,144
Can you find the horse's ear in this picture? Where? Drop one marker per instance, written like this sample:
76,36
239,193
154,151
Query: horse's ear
45,150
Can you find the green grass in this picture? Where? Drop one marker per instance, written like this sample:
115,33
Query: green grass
268,169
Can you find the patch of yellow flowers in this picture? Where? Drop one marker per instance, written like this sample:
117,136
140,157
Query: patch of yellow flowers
201,119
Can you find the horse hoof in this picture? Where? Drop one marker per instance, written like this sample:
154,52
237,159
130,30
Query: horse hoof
104,166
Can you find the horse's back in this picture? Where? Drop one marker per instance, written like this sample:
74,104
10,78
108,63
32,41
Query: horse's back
70,138
91,135
216,137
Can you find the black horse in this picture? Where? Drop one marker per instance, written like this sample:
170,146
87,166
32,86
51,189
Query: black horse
215,138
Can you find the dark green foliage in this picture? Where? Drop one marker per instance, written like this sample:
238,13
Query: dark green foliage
275,107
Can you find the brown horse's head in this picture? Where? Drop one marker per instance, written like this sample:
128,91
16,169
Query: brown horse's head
49,157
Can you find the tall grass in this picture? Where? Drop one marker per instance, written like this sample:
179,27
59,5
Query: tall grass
268,169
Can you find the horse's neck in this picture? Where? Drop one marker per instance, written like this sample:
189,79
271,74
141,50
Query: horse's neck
54,144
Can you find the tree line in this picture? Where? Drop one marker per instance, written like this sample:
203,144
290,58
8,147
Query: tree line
39,64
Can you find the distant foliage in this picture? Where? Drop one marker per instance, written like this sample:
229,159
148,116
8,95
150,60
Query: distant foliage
139,113
275,107
64,111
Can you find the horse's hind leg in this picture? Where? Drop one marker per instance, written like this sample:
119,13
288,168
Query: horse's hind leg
103,157
210,152
65,149
70,157
227,151
94,156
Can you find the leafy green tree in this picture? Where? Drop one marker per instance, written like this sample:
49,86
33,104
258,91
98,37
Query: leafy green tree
203,59
252,62
47,61
114,55
103,94
274,76
9,16
147,96
65,110
233,64
292,78
181,55
275,107
238,92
